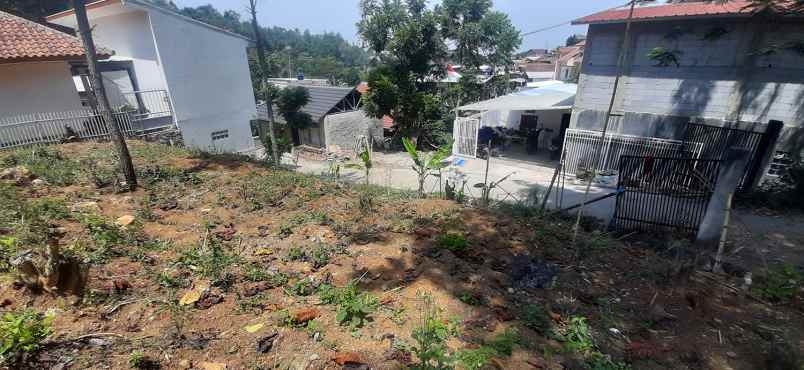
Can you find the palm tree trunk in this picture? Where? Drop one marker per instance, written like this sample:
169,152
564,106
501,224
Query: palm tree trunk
126,167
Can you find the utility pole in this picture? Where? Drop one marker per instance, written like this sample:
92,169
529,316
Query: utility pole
264,69
620,62
126,167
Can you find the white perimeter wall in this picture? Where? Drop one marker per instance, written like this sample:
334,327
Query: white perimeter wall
37,87
208,78
129,35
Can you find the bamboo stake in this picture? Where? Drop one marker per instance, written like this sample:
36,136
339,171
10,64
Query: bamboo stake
723,234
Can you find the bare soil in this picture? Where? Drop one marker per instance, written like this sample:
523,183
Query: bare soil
644,306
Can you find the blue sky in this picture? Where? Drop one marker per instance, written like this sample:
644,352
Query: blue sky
341,15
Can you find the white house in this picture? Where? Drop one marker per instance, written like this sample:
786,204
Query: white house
162,57
35,67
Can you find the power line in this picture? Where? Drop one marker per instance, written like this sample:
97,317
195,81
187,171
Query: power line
563,23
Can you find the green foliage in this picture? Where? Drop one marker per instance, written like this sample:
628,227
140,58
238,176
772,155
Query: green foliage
22,332
503,343
475,358
135,359
424,164
471,298
302,287
211,261
431,338
47,164
107,238
778,285
354,306
480,34
319,256
453,242
47,209
295,254
576,336
664,57
535,317
8,248
290,102
599,361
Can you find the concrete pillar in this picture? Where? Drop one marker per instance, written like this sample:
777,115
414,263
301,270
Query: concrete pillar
731,171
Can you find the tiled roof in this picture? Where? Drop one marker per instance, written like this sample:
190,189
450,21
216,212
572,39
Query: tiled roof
23,40
663,10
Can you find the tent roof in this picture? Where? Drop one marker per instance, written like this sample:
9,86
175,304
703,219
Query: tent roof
555,96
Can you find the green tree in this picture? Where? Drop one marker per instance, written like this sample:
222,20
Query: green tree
480,34
290,101
572,40
406,41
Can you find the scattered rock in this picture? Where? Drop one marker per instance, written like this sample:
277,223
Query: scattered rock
38,182
263,252
6,302
120,285
347,358
17,285
98,342
265,343
124,221
426,232
396,354
194,295
208,300
227,233
212,366
314,357
503,313
305,315
658,313
253,289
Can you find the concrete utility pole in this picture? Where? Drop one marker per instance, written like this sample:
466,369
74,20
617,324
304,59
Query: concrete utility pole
100,95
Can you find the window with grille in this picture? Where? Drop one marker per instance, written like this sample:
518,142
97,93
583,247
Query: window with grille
220,135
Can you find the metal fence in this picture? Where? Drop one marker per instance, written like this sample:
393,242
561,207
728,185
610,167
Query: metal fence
465,136
661,193
135,113
718,140
580,150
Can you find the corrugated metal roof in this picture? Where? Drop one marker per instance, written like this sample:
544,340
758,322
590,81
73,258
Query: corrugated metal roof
664,10
24,40
323,99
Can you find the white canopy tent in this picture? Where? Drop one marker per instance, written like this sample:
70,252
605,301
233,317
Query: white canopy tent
548,103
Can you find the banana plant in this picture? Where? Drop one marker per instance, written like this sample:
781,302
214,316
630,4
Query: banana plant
365,158
423,164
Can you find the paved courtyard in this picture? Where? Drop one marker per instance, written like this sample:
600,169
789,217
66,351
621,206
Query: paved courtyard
523,179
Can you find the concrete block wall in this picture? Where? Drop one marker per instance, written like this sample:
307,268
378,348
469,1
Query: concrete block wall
341,131
718,81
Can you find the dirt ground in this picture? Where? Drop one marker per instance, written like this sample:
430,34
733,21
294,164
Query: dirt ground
226,264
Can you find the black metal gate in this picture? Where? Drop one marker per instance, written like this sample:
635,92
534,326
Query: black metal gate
718,140
661,193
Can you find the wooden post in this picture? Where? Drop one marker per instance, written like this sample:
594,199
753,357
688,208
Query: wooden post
100,94
723,234
264,72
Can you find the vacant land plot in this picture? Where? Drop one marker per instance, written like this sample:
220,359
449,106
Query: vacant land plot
215,262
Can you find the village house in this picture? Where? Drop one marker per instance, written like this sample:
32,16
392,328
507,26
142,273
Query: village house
165,62
35,72
694,62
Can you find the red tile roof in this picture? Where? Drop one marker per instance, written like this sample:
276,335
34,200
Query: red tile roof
661,11
22,40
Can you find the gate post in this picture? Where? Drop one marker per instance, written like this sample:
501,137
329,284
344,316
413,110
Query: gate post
763,155
731,172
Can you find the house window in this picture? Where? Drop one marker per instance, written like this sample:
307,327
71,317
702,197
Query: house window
779,164
220,135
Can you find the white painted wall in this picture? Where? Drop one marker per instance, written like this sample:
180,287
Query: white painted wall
209,81
129,35
37,87
656,99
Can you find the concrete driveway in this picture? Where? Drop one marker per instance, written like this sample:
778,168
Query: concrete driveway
523,179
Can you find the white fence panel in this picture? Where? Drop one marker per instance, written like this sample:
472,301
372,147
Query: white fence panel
580,149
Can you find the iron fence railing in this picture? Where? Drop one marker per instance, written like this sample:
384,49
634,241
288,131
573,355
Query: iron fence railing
143,104
718,140
581,149
663,193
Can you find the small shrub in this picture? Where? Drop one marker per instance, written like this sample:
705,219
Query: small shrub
452,242
475,358
599,361
8,248
47,209
503,343
470,298
135,359
576,336
211,262
302,287
779,285
22,332
295,254
354,306
431,338
535,318
319,256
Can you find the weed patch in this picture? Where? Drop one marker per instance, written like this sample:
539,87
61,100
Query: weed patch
354,306
22,332
452,242
778,285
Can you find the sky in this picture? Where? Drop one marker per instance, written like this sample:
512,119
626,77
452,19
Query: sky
341,15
